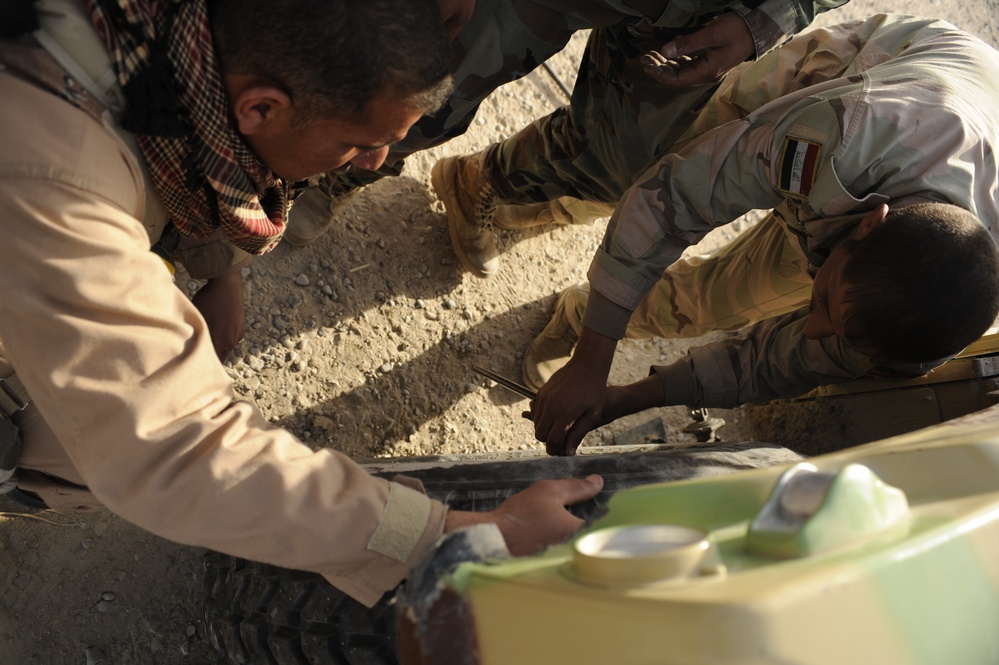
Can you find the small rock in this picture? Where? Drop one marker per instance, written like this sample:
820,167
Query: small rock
94,655
87,543
302,280
108,596
103,606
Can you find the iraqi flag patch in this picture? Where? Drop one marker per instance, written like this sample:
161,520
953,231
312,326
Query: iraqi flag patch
798,162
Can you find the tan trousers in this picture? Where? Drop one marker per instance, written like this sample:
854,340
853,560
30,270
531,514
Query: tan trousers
759,275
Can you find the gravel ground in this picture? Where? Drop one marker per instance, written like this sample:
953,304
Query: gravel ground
363,342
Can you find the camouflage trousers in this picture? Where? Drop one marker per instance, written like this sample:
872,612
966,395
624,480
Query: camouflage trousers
760,274
507,39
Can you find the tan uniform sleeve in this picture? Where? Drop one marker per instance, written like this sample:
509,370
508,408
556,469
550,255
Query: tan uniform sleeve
121,367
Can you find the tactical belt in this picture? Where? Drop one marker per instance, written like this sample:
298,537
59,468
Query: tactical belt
13,399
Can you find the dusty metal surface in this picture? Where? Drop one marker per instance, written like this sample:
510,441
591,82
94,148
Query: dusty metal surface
839,416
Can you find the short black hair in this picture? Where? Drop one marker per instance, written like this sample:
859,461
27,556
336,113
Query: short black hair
922,285
334,57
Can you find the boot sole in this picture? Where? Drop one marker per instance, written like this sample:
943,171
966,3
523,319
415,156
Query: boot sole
444,193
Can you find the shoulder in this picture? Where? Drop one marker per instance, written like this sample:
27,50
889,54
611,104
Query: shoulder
47,138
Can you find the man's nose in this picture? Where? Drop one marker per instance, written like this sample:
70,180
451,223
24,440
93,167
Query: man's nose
370,160
818,325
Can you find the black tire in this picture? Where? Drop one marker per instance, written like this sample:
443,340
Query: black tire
258,614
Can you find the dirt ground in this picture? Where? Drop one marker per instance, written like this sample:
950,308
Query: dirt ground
363,341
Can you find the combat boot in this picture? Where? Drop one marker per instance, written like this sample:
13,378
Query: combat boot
551,350
470,200
314,211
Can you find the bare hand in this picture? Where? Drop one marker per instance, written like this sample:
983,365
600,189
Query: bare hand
535,518
571,403
704,56
455,14
220,302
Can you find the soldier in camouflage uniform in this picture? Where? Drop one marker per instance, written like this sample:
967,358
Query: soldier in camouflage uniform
860,131
507,39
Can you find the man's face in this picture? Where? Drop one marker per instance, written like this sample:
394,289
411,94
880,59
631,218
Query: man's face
296,152
829,305
830,301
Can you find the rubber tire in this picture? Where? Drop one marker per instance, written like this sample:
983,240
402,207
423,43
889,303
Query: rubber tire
258,614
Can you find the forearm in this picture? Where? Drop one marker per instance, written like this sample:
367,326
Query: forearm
634,398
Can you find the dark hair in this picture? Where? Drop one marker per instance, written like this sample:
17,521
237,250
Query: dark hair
334,57
922,285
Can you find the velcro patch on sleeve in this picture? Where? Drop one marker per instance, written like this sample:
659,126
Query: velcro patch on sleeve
798,162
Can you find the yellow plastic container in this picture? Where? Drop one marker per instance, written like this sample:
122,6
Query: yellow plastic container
887,553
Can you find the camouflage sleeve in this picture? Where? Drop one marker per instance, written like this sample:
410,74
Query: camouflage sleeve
772,360
773,22
711,182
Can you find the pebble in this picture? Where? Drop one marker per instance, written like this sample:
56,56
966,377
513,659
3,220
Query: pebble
108,595
302,280
103,606
87,543
386,368
93,655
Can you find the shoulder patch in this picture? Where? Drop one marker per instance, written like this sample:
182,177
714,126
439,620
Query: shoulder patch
798,161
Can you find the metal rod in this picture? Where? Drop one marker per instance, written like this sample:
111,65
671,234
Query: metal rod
521,390
565,89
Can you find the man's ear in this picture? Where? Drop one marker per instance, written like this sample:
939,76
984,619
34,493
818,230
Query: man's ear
259,108
871,220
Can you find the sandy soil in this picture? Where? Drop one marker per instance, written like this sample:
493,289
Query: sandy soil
363,341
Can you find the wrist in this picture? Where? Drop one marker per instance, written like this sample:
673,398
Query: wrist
459,519
595,350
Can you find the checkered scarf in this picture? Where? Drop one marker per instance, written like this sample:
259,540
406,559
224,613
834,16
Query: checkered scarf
206,175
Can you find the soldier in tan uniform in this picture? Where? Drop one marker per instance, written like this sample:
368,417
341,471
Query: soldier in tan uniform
874,145
118,115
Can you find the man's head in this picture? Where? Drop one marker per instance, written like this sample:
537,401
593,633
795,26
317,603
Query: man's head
915,284
314,85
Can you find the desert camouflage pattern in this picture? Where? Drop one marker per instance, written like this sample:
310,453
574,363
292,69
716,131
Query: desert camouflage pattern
507,39
894,110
